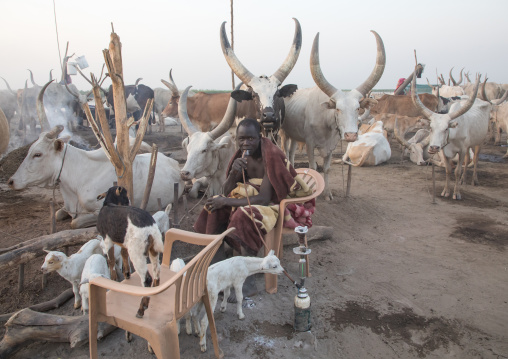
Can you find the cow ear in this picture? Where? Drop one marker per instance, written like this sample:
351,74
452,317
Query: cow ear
453,124
287,90
185,142
329,105
59,145
367,103
241,95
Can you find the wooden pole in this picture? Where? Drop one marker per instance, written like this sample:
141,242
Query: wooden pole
348,188
433,184
52,219
159,204
175,206
151,175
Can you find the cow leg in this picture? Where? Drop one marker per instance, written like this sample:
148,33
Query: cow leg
126,268
448,167
497,139
310,154
458,170
475,162
61,214
326,169
111,263
463,179
292,150
83,221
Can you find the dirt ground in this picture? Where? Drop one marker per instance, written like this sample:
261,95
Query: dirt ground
401,277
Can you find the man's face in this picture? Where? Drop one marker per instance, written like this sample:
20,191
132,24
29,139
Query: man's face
247,139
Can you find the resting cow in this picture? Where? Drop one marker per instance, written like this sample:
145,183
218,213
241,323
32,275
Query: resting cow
370,149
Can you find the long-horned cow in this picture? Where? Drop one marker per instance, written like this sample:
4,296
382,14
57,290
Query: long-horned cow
370,149
464,127
265,91
8,102
205,110
82,174
207,152
320,116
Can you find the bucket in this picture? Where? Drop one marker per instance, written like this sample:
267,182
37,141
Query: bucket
82,63
71,68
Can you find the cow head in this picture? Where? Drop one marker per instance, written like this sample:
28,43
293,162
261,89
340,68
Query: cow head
265,91
347,105
415,148
203,147
441,123
42,163
171,109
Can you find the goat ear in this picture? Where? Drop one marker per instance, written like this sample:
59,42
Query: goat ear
45,250
271,253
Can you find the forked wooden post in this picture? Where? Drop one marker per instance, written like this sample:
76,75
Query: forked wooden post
348,188
149,180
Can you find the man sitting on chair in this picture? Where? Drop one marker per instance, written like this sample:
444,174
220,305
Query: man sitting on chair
269,178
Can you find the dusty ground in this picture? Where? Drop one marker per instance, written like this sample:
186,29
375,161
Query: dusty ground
401,277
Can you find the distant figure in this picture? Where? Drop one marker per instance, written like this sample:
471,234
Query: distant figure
399,83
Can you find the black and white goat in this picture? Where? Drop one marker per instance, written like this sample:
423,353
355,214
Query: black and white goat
135,230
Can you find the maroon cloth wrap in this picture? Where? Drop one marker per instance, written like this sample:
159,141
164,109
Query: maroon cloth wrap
246,235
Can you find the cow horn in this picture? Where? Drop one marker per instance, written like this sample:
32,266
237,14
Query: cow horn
469,103
425,141
233,62
467,77
460,78
428,83
228,119
137,81
54,132
184,116
418,103
483,94
43,119
315,70
32,78
8,87
365,115
378,69
171,85
451,77
51,75
501,100
290,60
396,133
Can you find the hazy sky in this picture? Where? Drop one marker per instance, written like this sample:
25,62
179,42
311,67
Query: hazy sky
184,36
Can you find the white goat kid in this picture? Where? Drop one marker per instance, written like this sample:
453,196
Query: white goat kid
229,273
176,266
95,266
162,219
70,268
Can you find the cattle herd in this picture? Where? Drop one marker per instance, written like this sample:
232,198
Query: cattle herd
453,121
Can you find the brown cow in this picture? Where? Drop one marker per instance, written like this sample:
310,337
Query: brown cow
205,110
403,105
405,123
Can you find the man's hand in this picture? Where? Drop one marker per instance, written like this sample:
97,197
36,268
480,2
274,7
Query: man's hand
239,164
215,203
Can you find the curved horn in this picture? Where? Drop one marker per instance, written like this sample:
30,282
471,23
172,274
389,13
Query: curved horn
233,62
469,103
441,80
467,77
54,132
32,78
378,69
184,116
137,81
501,100
425,142
290,60
428,83
51,75
315,70
460,78
8,87
483,94
397,135
365,115
417,102
228,119
43,119
171,85
451,77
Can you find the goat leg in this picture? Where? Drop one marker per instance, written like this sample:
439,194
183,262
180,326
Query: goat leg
145,301
111,263
125,263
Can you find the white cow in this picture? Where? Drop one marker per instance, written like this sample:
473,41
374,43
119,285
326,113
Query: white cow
464,127
208,153
322,115
370,149
85,174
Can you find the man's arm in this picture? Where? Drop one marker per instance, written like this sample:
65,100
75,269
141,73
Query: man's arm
263,198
